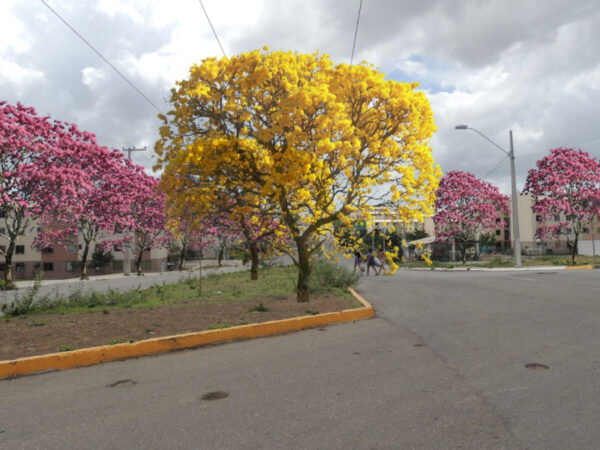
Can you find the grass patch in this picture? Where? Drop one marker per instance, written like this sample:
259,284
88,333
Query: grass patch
65,348
274,282
119,340
326,277
508,261
259,308
220,326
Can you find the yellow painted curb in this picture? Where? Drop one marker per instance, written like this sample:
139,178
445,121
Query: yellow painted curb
587,267
96,355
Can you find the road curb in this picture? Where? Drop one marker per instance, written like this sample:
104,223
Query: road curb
97,355
586,267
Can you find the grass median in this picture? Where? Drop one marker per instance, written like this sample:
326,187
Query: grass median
508,261
50,323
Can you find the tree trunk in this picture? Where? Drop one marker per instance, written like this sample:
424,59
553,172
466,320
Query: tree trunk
138,263
464,252
574,250
84,255
254,259
182,257
302,289
221,251
8,279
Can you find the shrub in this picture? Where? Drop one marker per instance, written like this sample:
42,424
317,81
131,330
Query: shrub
326,276
23,304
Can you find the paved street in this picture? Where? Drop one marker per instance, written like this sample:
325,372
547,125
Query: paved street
443,365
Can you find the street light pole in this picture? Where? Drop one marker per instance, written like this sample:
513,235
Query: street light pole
513,182
515,203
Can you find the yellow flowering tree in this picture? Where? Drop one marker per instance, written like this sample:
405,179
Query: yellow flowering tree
308,140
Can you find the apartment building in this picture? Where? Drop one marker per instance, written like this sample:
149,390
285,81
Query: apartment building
60,262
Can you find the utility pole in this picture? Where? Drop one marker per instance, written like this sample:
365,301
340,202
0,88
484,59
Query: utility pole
515,204
133,149
127,262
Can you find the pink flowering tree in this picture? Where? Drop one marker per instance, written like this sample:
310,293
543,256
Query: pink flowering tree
187,236
146,215
101,208
262,234
223,230
36,176
465,207
565,185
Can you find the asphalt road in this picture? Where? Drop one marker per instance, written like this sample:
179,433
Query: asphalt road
443,365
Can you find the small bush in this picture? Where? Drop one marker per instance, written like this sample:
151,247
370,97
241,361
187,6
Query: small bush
326,276
65,348
22,305
499,262
259,308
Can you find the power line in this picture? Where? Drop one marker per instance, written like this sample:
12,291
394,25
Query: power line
496,166
581,147
103,58
213,28
356,32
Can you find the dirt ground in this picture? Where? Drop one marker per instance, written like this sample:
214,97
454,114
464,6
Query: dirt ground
48,333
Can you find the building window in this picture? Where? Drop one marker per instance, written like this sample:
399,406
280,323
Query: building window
20,249
20,267
557,218
2,248
598,230
48,267
2,267
71,248
39,229
538,218
498,232
70,267
586,230
146,265
47,250
2,230
117,265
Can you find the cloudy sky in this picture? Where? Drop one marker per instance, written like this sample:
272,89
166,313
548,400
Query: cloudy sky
496,65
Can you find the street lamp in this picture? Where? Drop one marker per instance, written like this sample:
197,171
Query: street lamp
515,205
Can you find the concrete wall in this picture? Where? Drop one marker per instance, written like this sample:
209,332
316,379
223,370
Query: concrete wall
585,247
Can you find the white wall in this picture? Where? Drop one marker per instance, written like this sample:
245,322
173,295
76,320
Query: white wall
586,248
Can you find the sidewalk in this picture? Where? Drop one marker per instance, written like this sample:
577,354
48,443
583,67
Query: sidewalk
191,269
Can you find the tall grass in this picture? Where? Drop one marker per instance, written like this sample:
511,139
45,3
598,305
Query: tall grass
326,276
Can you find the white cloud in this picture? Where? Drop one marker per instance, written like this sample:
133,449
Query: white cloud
497,65
13,33
17,76
93,77
114,7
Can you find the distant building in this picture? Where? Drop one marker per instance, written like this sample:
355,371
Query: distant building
58,262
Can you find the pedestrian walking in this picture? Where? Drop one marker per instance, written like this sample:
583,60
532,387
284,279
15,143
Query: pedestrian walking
373,262
357,262
381,258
